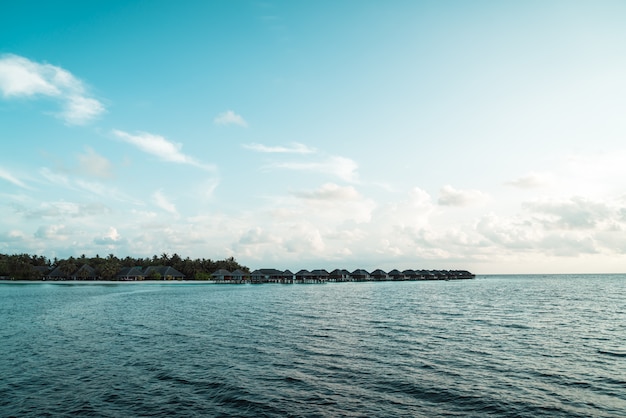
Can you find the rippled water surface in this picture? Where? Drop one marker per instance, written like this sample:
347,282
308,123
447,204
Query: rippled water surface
499,345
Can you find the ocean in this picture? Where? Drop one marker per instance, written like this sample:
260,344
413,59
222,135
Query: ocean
507,346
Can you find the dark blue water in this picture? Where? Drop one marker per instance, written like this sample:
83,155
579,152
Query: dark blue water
519,346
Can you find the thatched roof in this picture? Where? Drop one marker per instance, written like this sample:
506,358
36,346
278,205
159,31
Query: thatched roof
128,272
57,272
85,271
360,273
164,271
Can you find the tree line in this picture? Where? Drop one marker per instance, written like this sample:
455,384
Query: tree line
35,267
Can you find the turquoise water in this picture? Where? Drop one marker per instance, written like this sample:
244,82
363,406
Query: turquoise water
522,346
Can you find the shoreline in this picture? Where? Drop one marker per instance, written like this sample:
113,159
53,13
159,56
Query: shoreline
208,282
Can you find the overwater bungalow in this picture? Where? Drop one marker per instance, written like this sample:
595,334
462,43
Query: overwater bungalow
360,275
378,275
460,275
410,274
426,275
396,275
221,275
288,276
266,276
320,275
240,276
303,276
339,275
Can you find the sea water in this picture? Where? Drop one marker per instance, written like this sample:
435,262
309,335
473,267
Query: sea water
519,346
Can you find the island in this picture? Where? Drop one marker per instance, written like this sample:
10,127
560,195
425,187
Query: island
174,267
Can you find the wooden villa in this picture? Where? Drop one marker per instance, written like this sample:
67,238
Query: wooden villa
265,275
130,274
222,275
360,275
396,275
163,272
85,272
339,275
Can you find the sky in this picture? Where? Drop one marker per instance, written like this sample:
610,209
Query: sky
480,135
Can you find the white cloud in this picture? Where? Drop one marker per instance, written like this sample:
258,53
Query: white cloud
143,214
294,148
420,198
12,236
303,239
573,213
230,118
55,178
512,232
106,192
330,191
109,238
56,232
5,175
79,110
65,210
94,164
531,181
20,77
518,235
160,147
329,205
163,202
61,180
112,234
257,236
205,189
449,196
341,167
411,214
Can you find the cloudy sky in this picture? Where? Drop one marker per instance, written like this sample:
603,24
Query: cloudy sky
479,135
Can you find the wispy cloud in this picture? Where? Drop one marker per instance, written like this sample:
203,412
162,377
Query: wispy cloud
65,210
329,192
79,110
62,180
5,175
341,167
94,164
530,181
55,178
257,235
449,196
205,189
230,118
20,77
163,202
294,148
160,147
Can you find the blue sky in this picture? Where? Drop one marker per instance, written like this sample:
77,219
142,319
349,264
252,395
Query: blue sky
481,135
